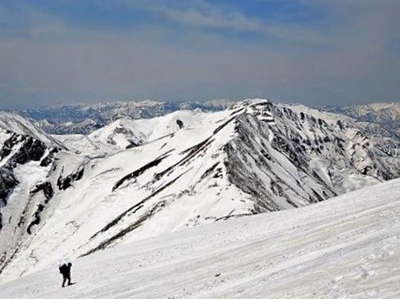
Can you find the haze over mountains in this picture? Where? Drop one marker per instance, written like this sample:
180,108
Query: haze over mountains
72,195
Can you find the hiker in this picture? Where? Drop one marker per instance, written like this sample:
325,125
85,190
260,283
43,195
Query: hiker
65,270
179,123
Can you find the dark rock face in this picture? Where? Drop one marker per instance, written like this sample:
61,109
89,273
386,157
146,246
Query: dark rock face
48,193
47,190
46,161
9,144
65,183
138,172
267,180
7,183
31,149
23,149
36,219
278,154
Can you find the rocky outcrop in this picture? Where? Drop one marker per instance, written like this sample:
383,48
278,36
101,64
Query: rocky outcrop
285,158
64,183
7,183
30,149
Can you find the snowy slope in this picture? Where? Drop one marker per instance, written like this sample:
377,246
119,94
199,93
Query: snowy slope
126,133
255,157
10,122
121,133
26,155
347,247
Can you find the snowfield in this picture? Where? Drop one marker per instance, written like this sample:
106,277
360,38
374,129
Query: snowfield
346,247
75,195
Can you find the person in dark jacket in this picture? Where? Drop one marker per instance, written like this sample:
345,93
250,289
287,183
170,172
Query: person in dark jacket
179,123
65,270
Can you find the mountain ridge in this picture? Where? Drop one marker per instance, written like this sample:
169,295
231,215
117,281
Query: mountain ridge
252,158
84,119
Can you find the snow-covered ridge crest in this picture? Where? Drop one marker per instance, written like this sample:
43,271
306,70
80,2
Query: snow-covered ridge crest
192,168
10,122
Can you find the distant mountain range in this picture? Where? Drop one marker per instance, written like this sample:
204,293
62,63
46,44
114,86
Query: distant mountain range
386,114
84,119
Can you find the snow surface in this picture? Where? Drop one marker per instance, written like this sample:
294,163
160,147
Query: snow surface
255,157
347,247
81,211
11,122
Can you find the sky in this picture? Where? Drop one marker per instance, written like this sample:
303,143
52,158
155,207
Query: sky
315,52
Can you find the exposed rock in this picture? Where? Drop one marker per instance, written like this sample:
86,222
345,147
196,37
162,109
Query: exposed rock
7,184
64,183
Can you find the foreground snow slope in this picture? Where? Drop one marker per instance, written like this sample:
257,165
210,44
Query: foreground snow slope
347,247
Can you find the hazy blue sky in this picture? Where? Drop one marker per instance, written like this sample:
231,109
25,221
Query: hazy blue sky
309,51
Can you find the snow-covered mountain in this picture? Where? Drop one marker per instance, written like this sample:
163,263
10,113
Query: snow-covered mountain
387,114
13,123
26,155
121,134
65,128
135,179
375,112
84,119
347,247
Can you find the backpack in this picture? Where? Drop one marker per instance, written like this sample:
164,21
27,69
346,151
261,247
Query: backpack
62,268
